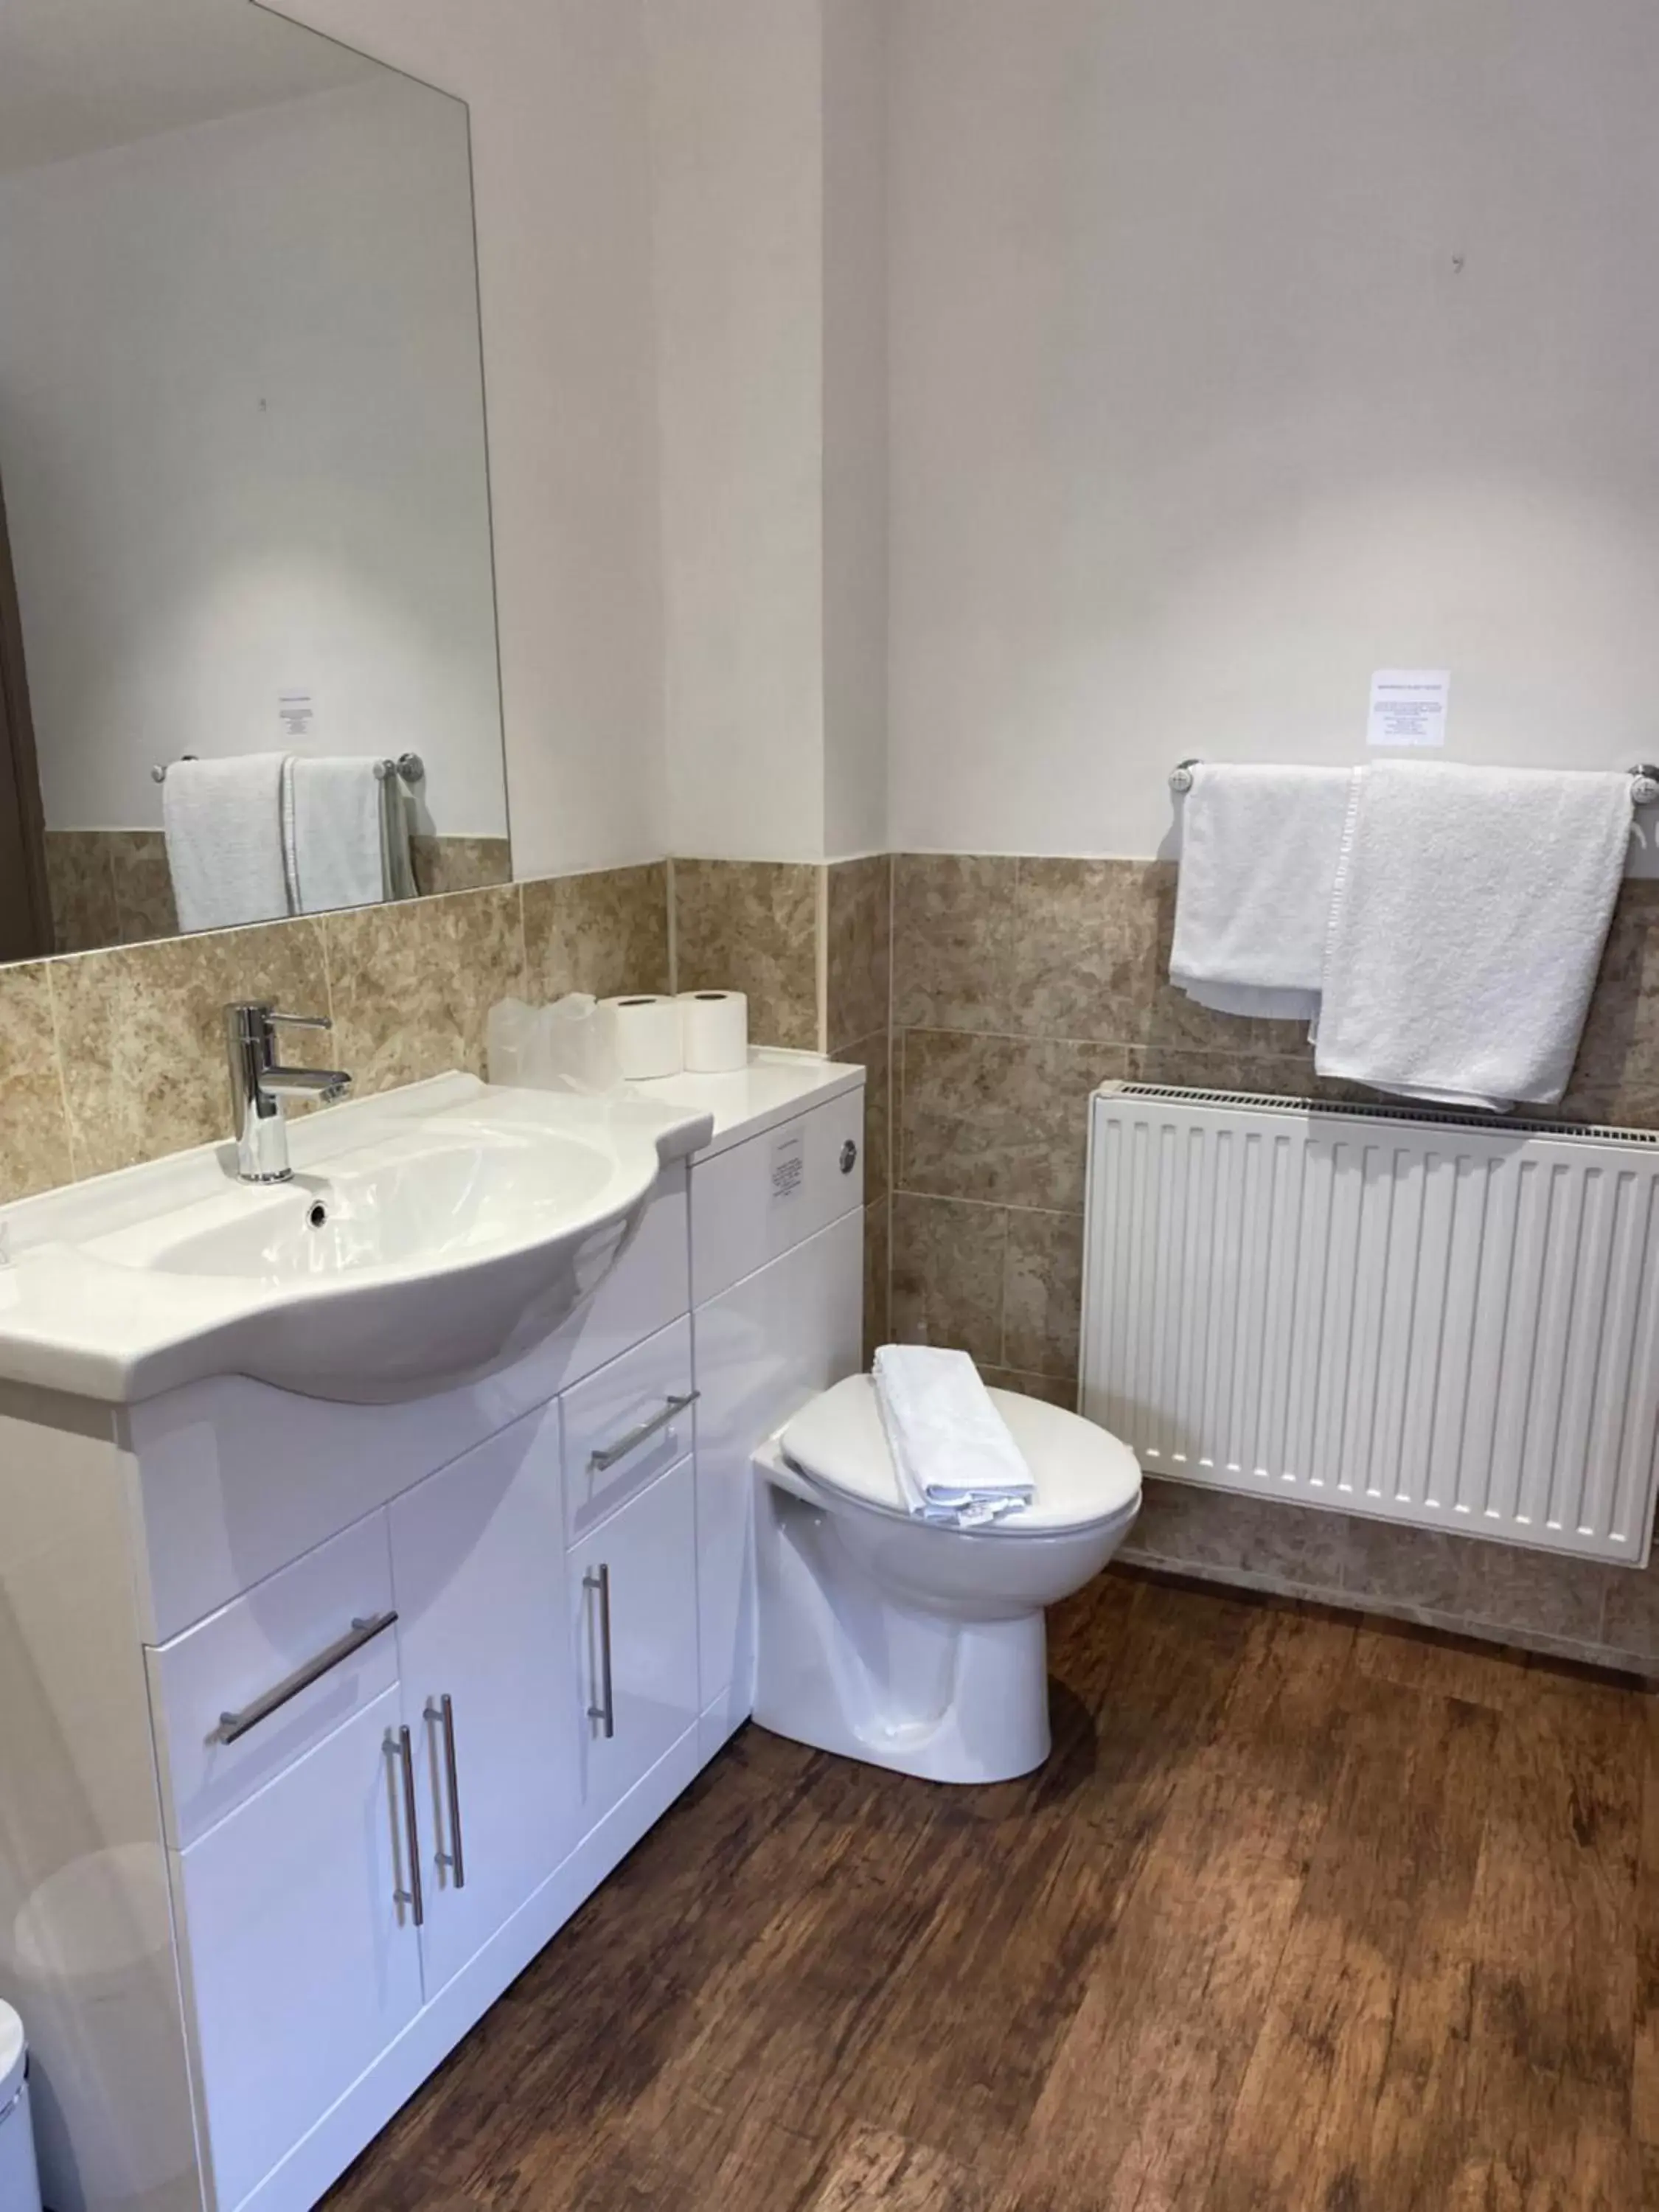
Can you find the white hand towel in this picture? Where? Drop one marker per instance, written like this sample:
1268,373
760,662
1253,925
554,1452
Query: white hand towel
1470,909
1258,859
956,1461
224,831
344,832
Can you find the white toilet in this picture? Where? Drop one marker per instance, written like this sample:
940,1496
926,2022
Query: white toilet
916,1647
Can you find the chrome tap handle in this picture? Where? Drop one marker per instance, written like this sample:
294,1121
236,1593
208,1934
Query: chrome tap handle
300,1021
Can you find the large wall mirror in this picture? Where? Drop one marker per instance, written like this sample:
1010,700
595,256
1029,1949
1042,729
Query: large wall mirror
247,624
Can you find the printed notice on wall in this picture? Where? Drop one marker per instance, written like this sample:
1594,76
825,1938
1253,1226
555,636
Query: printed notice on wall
788,1168
1408,707
297,713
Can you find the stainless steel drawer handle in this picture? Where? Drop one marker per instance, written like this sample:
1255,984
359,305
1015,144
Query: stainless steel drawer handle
455,1858
672,1408
598,1578
361,1631
411,1896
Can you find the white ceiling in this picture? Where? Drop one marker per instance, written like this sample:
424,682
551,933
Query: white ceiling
79,75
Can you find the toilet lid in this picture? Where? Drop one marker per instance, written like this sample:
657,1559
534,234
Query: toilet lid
1083,1474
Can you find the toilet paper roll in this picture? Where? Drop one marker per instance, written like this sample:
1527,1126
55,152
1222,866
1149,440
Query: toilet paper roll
715,1028
646,1030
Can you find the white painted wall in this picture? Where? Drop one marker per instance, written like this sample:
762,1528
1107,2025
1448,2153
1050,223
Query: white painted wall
557,90
855,455
241,437
1238,352
737,142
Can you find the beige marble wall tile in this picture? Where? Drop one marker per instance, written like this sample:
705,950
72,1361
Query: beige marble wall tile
953,941
873,1054
81,891
1084,943
998,1118
1184,1525
141,1038
606,933
752,925
947,1275
412,984
1630,1617
1616,1076
34,1147
1053,1389
1468,1579
143,885
458,863
878,1274
858,920
1043,1292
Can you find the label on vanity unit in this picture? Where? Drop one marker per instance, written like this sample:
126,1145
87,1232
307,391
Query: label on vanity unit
788,1167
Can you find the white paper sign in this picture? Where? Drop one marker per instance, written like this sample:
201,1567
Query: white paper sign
1408,707
297,713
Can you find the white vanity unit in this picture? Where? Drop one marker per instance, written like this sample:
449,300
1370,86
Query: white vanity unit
320,1717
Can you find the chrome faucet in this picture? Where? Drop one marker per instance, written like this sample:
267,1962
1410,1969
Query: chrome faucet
258,1086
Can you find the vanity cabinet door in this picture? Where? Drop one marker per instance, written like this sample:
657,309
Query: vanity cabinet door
633,1605
484,1653
302,1966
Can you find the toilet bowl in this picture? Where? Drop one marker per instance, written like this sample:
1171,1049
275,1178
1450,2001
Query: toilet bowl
913,1646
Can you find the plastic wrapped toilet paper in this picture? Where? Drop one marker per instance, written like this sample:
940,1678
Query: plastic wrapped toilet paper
715,1027
646,1035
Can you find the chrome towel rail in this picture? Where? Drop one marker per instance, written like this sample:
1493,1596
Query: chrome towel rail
409,766
1644,781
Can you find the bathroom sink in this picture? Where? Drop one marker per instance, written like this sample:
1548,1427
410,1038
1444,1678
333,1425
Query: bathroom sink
426,1237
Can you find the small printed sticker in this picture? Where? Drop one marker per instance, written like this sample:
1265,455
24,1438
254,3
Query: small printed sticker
788,1168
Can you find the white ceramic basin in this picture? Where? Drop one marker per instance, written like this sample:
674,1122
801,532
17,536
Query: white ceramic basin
426,1237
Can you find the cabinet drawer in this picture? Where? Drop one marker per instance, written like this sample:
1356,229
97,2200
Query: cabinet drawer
287,1663
626,1425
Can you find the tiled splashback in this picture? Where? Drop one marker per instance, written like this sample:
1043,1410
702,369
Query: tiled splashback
1020,984
114,887
987,997
109,1058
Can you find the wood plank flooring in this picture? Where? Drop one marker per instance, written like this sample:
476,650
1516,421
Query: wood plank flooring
1301,1913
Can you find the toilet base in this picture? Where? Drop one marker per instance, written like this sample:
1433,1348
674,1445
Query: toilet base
845,1666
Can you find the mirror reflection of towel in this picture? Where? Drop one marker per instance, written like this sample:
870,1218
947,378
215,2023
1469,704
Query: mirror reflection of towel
224,833
345,831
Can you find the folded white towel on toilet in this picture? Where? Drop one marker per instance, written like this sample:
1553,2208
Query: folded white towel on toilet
1259,850
956,1462
1470,909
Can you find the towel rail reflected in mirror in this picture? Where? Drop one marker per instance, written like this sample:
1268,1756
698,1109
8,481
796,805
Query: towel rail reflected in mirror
226,544
1644,781
409,766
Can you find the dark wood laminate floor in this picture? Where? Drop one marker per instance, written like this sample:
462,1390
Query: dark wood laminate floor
1301,1913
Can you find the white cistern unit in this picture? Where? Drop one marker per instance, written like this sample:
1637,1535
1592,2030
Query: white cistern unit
321,1717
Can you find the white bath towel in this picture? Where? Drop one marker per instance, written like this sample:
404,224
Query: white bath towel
1258,859
1469,912
956,1462
345,833
224,834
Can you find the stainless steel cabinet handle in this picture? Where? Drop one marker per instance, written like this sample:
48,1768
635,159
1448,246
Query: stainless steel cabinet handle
455,1858
599,1461
605,1711
411,1896
361,1631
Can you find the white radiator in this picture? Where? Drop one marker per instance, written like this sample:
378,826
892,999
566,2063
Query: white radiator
1424,1317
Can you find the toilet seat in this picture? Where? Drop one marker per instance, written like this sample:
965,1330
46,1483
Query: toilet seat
1083,1474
